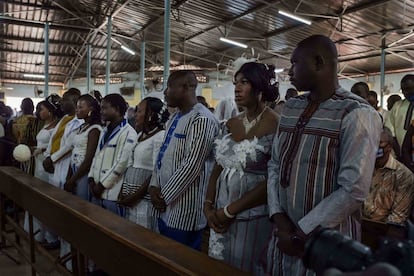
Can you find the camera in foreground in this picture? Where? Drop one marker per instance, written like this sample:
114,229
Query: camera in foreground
330,249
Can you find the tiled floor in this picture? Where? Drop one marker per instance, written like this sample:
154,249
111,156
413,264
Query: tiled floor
9,268
9,255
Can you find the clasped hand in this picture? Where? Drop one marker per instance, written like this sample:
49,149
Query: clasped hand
291,239
216,219
291,243
48,165
157,199
132,199
96,189
69,186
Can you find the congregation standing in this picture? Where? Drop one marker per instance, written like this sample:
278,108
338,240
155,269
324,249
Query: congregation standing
263,181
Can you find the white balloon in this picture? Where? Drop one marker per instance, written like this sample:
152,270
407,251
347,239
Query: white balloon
21,153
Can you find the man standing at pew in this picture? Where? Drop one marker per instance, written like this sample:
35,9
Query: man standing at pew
180,176
322,158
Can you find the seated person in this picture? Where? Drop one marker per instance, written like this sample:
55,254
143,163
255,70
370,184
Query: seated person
392,189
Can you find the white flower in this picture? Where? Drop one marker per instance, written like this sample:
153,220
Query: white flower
216,247
242,150
222,144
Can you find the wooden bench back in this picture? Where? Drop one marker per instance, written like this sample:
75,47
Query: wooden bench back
116,245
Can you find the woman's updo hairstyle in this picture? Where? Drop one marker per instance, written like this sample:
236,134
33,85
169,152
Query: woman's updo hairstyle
95,116
262,78
159,115
53,104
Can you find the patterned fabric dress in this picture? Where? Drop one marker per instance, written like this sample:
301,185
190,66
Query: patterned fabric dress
140,167
244,166
29,138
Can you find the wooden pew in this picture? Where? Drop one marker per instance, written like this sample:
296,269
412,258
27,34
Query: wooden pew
116,245
372,232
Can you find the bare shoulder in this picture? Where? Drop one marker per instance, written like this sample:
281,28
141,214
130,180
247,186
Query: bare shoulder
94,132
270,116
269,122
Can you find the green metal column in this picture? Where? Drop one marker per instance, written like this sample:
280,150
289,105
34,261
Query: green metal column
108,56
46,90
88,68
382,81
167,14
142,72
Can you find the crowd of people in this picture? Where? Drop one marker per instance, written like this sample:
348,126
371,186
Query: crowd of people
264,176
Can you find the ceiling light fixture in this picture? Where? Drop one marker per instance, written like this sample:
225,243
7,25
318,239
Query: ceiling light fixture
279,70
34,76
295,17
233,42
126,49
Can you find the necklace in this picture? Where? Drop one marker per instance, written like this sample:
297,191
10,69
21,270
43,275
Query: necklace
248,125
83,127
50,124
148,134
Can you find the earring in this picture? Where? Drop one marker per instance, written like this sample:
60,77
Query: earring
149,119
89,113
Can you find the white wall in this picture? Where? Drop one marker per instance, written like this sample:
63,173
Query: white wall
26,90
221,88
129,79
14,97
392,83
225,89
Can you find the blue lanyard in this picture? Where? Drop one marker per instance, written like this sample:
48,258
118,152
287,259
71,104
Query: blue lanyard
104,141
74,126
167,139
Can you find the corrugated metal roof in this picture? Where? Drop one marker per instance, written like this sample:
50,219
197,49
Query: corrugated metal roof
357,26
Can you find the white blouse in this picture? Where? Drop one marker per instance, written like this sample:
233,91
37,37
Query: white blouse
145,152
80,143
43,137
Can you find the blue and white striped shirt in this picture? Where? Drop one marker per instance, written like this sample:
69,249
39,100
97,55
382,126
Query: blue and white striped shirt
183,172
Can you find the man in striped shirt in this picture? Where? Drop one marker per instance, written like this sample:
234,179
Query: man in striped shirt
323,157
180,176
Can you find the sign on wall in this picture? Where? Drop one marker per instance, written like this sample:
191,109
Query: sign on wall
112,80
